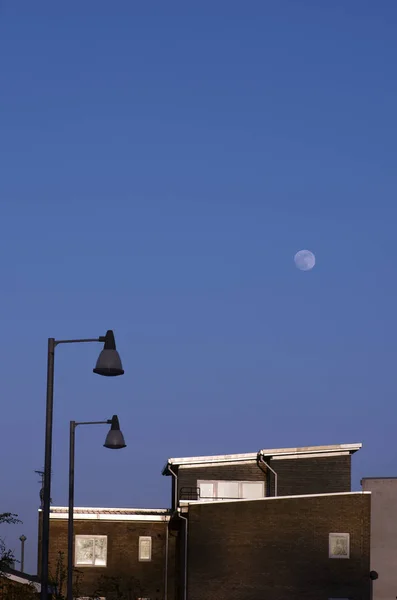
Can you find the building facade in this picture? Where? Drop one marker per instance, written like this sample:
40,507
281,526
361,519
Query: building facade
383,534
276,524
129,550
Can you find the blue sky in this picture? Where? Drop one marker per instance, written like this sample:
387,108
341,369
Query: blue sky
161,163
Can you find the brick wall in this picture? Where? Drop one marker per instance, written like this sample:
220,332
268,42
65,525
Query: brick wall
325,475
278,549
122,554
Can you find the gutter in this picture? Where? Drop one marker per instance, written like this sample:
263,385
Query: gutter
176,487
166,563
185,554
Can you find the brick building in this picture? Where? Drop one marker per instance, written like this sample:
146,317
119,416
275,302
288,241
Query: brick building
129,548
277,524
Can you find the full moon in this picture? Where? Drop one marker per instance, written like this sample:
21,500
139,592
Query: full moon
304,260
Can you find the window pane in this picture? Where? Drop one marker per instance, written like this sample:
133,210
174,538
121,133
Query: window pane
100,551
84,551
227,489
253,489
145,548
206,489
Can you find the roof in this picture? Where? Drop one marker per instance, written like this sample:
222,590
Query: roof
376,478
23,578
111,514
250,457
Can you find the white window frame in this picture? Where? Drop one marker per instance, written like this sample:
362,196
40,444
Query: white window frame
90,537
345,536
215,482
145,538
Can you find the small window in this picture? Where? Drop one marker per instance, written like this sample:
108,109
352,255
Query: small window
90,550
145,548
339,545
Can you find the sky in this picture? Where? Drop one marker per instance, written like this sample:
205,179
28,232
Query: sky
160,165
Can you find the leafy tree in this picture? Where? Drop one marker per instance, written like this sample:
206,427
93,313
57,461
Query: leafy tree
8,588
7,557
58,579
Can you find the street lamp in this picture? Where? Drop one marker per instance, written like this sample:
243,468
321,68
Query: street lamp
109,365
22,539
114,441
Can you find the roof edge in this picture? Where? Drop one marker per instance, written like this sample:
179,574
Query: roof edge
187,503
279,452
110,510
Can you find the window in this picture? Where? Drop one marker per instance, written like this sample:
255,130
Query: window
145,548
253,489
90,550
229,490
339,545
207,489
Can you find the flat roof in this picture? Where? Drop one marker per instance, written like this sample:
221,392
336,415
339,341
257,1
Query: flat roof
303,451
110,514
20,577
376,478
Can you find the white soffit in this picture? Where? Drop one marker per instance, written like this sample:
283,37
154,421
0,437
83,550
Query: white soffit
216,464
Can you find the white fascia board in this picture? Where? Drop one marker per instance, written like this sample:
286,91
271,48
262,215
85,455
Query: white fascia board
227,458
97,509
109,517
304,451
269,498
311,450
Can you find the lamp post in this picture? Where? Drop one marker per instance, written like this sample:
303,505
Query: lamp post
22,539
114,441
109,365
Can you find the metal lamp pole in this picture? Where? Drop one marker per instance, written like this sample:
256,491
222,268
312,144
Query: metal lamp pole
108,364
22,539
114,441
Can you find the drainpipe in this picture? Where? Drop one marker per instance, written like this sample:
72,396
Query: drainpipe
175,502
262,460
176,487
185,559
166,562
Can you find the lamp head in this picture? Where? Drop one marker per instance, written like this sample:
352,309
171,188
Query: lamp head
115,439
109,362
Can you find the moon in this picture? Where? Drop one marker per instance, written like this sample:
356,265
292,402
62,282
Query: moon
304,260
